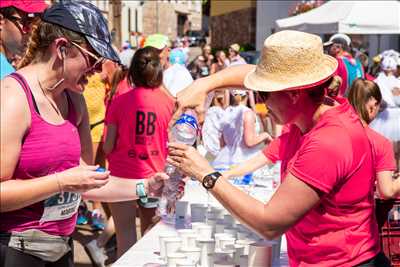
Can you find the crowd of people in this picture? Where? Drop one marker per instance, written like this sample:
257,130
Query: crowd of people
93,125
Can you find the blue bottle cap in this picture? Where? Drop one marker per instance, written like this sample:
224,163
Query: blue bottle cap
100,169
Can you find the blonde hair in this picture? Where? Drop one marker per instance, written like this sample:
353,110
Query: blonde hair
43,34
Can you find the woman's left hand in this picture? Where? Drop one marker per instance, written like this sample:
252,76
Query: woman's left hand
188,160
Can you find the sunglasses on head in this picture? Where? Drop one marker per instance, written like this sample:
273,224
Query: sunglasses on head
94,62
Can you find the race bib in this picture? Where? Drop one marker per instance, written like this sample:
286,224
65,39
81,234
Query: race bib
60,207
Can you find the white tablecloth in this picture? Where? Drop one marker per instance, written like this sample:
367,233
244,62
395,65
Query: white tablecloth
146,250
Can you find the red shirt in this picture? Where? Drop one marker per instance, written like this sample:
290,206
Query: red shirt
334,157
383,151
141,117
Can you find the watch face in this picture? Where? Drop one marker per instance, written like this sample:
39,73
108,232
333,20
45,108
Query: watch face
208,182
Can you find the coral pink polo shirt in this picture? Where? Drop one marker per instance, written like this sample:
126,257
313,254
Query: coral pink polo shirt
335,158
141,116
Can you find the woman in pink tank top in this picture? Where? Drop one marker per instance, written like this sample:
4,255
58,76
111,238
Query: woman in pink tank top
42,127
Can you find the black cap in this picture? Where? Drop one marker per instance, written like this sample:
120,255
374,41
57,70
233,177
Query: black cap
85,18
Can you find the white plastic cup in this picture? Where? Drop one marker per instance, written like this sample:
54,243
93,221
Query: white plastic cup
187,235
260,254
185,263
224,258
225,241
241,235
198,213
228,220
244,261
172,245
217,237
205,231
162,238
209,244
193,254
246,243
173,258
230,231
276,248
181,209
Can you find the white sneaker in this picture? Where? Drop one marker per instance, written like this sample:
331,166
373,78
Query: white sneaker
96,254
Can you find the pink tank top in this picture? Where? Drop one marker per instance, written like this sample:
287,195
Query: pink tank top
46,149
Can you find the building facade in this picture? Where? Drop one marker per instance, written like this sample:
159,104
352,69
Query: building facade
171,17
232,22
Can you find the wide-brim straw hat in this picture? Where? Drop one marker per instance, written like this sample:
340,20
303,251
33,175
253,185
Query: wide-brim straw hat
291,60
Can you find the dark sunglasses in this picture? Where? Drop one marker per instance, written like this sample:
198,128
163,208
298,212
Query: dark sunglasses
22,23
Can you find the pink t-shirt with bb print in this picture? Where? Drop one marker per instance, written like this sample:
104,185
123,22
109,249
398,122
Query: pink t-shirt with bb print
335,158
141,117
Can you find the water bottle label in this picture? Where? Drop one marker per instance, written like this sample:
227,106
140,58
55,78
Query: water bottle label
188,119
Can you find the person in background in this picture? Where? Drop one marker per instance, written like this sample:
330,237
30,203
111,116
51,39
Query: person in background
137,125
349,68
322,183
387,122
366,99
175,76
211,129
16,18
208,56
234,56
220,63
241,134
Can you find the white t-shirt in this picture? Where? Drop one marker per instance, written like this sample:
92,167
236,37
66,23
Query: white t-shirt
176,78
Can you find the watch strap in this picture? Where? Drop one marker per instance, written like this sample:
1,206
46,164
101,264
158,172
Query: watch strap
141,192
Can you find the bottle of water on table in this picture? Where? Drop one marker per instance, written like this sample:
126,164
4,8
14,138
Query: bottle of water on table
184,131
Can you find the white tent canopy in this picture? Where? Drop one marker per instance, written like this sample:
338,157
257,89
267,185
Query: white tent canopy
351,17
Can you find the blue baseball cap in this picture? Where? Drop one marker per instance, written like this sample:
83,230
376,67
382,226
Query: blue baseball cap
84,18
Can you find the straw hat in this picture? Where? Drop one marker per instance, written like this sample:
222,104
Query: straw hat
291,60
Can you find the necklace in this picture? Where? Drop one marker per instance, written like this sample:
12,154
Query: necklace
54,106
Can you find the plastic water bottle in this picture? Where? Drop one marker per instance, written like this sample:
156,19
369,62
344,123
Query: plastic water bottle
184,131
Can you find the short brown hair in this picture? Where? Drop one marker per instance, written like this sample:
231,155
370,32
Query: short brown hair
146,69
360,93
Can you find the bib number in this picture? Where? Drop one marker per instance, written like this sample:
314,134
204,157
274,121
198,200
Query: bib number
60,207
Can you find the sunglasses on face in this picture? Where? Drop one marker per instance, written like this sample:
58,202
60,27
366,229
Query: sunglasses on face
92,61
22,23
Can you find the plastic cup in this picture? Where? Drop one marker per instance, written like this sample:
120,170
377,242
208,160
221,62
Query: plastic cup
185,263
205,231
192,254
225,241
172,245
198,213
187,235
173,258
260,254
246,244
162,238
181,209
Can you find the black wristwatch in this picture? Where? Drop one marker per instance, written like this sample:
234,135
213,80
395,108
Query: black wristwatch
210,179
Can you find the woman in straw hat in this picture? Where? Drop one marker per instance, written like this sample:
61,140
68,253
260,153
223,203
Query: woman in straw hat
324,204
